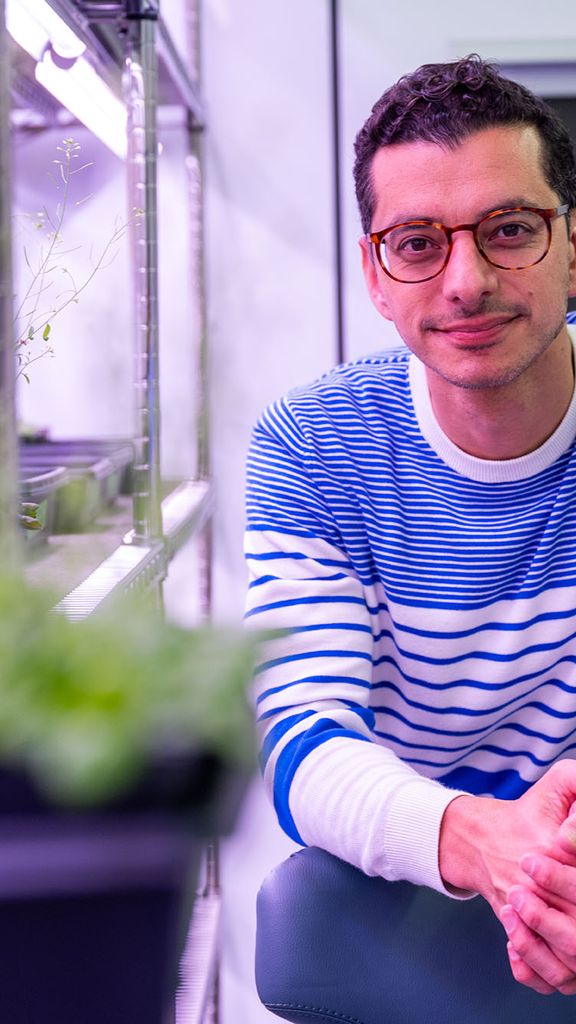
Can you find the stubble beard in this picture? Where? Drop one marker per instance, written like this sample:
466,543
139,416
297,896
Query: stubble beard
508,375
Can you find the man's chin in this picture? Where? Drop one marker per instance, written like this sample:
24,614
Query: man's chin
478,377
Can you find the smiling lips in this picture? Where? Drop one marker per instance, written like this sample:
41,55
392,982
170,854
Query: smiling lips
482,328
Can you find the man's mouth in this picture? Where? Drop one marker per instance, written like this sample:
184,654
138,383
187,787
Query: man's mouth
476,329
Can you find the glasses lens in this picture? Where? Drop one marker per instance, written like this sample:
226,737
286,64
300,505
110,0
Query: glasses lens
414,251
514,239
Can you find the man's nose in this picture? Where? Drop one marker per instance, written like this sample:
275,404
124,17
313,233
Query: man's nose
468,276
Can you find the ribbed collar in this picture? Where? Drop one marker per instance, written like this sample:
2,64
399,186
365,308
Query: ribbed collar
487,470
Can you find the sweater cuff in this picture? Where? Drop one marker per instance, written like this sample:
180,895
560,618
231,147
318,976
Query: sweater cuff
413,826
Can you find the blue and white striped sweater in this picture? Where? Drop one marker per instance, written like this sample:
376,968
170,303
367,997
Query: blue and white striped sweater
431,599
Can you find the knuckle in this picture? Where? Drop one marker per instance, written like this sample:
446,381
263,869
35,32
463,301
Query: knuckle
557,769
564,769
521,972
539,985
523,945
534,916
546,873
558,973
560,978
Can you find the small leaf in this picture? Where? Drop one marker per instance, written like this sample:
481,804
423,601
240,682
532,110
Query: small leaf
46,332
30,333
30,522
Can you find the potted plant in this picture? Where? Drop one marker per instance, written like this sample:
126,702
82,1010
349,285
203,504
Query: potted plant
125,742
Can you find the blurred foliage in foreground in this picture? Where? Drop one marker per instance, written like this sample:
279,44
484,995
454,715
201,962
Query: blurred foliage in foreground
85,706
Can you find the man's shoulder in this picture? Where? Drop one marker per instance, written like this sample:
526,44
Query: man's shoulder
374,386
389,366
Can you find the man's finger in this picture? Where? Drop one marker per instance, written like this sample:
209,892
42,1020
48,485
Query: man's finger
551,875
524,974
557,928
536,953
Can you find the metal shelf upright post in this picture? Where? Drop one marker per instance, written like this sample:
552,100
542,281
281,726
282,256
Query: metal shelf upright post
140,87
8,483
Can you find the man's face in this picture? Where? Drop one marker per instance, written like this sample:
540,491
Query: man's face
474,326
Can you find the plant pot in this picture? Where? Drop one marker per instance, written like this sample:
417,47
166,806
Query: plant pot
94,905
145,728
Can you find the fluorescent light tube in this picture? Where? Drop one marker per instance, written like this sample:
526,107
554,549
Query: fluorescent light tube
84,94
41,32
33,24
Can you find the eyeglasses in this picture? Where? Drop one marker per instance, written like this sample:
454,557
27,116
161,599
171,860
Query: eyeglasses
510,239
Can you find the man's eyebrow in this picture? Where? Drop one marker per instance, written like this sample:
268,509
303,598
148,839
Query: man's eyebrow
508,203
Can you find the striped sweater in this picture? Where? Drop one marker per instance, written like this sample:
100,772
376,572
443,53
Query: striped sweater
429,603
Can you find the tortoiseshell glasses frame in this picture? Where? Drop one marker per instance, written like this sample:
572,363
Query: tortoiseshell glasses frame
480,231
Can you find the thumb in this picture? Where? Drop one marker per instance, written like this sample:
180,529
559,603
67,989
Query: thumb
566,837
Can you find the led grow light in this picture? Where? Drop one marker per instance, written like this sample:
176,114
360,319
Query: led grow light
84,94
34,25
71,79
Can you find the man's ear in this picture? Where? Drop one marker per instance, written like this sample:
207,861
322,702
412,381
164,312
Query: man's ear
572,266
373,277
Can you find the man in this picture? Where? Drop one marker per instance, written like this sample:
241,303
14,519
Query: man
412,523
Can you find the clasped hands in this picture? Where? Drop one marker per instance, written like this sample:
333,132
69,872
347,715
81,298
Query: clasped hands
539,915
520,855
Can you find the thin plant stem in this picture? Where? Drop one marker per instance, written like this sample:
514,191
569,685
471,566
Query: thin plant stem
36,322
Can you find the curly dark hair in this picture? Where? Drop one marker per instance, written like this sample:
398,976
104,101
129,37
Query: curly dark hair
444,103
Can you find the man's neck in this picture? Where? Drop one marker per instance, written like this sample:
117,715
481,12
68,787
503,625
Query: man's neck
511,420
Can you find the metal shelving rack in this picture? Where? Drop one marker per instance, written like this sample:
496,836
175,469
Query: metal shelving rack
128,42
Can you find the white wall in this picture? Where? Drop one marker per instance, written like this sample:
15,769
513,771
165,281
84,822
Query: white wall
270,321
269,203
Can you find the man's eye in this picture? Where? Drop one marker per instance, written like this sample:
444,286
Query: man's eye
515,230
416,244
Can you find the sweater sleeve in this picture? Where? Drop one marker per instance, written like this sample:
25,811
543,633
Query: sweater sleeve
332,783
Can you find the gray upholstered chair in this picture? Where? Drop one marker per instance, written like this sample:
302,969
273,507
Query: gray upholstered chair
336,946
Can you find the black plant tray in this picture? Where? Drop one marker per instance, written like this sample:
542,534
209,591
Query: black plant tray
85,494
97,474
119,451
